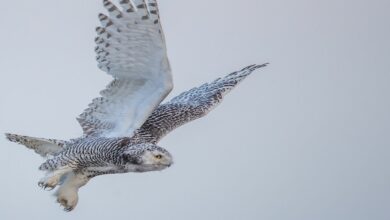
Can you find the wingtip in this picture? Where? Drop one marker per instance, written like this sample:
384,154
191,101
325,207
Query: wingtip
8,136
262,65
257,66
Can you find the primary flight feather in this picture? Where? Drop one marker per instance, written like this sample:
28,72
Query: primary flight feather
123,126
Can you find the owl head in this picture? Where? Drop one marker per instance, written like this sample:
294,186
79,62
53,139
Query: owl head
146,157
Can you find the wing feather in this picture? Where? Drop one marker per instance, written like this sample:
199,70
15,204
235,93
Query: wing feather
131,48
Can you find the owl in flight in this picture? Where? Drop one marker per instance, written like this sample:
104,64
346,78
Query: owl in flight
123,126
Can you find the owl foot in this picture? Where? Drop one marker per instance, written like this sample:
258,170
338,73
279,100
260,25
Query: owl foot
68,199
67,203
67,193
53,178
49,183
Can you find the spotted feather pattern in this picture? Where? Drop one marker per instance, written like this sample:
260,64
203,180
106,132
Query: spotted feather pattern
128,38
189,105
131,48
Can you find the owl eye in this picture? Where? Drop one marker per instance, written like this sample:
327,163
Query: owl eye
158,156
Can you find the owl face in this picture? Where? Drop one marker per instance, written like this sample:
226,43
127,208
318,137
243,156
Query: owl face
157,157
147,157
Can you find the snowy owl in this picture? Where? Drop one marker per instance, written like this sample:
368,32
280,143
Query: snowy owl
122,127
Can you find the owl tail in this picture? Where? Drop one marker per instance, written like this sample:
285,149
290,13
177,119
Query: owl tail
41,146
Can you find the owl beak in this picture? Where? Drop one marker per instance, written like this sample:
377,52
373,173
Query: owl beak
168,164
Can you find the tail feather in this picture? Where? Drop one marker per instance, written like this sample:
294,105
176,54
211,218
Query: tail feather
41,146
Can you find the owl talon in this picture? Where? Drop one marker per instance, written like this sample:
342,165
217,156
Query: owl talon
48,185
66,204
48,188
68,209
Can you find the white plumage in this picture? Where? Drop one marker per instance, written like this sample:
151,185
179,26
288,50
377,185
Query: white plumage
131,48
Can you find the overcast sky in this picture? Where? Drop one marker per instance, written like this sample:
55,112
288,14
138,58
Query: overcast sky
306,138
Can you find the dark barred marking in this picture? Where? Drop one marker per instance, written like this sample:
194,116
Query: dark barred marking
141,6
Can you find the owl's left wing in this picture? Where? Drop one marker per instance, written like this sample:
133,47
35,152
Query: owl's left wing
131,48
189,105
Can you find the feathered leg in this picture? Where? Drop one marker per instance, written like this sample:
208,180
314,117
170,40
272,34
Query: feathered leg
67,194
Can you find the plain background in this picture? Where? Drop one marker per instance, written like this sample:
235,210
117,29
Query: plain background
306,138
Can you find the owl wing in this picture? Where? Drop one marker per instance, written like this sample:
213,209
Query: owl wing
131,48
190,105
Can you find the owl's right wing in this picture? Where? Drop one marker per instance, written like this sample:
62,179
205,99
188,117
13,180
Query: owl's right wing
190,105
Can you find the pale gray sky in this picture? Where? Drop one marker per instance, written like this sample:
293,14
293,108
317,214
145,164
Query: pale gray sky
306,138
